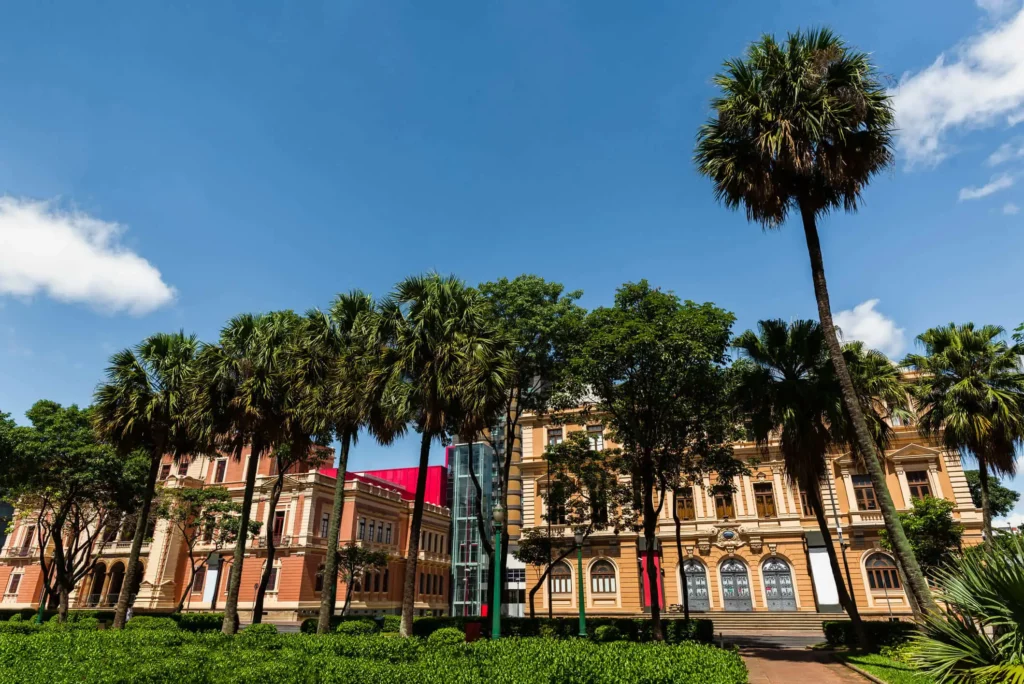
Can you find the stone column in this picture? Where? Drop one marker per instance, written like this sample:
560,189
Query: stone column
933,479
901,477
782,493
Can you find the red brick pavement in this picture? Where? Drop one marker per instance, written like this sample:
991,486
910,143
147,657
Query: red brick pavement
777,665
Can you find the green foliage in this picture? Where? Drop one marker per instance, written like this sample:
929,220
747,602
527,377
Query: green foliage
179,657
887,668
879,633
18,627
933,533
980,634
585,488
391,624
199,622
149,622
356,627
446,636
1001,500
606,633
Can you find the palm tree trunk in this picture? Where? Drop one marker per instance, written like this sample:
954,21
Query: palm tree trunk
865,444
846,597
986,508
650,537
328,599
261,591
679,553
230,625
412,556
124,598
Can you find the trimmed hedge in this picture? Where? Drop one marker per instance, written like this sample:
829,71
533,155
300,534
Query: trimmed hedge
879,633
150,622
181,657
199,622
354,627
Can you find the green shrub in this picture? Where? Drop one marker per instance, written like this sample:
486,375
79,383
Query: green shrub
147,622
15,618
85,623
356,627
392,624
259,630
199,622
18,627
840,632
446,636
606,633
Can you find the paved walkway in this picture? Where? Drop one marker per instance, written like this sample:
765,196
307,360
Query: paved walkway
777,665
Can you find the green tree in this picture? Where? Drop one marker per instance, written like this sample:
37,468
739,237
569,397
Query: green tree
353,563
787,391
641,365
71,488
235,400
932,531
205,515
421,338
970,390
1001,500
537,321
141,406
804,126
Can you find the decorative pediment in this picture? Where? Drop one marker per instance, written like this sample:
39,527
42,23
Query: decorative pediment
910,453
731,536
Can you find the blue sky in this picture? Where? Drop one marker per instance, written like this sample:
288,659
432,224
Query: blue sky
166,168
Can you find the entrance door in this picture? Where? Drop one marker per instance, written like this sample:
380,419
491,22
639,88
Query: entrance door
778,585
735,585
697,586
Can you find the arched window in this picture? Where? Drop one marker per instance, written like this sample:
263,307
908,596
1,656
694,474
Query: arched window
602,577
561,579
318,581
882,573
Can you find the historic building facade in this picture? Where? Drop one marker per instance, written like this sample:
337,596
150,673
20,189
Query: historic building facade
378,513
759,550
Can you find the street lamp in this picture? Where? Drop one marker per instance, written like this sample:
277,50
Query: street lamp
498,516
578,536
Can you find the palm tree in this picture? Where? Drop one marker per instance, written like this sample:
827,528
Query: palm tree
142,406
804,126
235,402
421,337
787,389
970,388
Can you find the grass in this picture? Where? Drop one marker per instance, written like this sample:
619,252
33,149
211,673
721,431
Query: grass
886,669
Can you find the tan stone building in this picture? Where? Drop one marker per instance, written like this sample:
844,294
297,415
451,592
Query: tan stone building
758,551
378,513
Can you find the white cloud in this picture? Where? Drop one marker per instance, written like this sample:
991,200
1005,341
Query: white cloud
872,328
997,183
1006,152
1010,209
73,257
997,8
978,84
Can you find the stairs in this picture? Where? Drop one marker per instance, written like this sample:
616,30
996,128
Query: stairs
768,622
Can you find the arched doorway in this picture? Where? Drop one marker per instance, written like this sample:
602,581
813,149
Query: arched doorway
114,588
735,585
99,576
778,585
697,586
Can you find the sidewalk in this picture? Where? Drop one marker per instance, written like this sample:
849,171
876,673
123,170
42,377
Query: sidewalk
778,665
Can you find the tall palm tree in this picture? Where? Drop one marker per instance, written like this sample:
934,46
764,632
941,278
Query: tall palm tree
803,126
970,388
235,402
787,389
422,335
142,406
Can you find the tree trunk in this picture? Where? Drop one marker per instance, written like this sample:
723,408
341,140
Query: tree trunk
986,509
651,538
348,597
865,444
261,591
188,587
230,625
846,597
64,604
412,556
142,524
544,576
329,596
682,569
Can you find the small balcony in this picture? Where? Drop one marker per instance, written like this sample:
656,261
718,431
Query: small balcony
21,552
282,541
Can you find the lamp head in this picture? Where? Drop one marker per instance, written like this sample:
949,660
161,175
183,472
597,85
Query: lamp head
498,514
578,536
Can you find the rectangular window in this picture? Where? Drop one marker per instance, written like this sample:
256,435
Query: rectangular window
385,587
599,509
684,504
278,526
373,524
272,582
325,524
380,531
919,486
183,467
26,541
422,582
764,499
15,582
387,534
804,506
200,580
556,513
221,471
376,582
554,436
165,471
516,574
596,435
723,506
865,493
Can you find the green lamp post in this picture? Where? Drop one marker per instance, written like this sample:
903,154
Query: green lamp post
578,536
499,519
